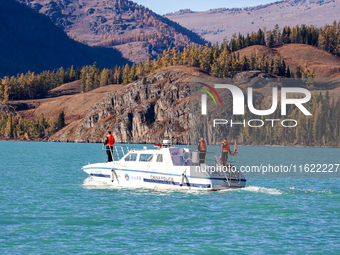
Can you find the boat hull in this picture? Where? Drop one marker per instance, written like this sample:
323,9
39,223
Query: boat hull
119,176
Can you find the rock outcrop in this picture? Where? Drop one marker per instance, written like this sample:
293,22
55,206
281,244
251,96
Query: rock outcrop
155,108
7,109
142,112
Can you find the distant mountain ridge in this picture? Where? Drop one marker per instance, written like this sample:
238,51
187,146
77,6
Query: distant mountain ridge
216,24
29,41
117,22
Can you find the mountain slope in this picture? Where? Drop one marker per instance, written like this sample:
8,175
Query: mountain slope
214,25
325,64
143,112
116,22
30,41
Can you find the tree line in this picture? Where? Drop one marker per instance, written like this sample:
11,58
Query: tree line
153,40
326,38
218,60
215,59
166,33
33,86
13,127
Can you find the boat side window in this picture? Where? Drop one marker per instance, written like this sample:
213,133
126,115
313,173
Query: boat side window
131,157
159,158
145,157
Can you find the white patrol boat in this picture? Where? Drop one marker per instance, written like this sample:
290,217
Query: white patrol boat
165,167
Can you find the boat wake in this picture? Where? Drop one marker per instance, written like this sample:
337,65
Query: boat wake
293,190
92,183
256,189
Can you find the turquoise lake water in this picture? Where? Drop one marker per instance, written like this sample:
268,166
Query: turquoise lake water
48,206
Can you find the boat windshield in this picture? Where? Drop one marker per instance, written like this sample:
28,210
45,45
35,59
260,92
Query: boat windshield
145,157
131,157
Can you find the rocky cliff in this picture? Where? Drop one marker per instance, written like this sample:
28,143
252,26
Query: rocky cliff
153,109
146,111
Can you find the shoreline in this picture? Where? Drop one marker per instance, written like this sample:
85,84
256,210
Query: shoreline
245,145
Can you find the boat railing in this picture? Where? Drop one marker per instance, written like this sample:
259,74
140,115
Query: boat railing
228,170
188,159
230,161
211,158
118,151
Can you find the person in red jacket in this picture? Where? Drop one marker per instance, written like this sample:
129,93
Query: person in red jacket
109,141
202,148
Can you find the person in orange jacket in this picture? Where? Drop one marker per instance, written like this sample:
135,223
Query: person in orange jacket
202,148
225,151
109,141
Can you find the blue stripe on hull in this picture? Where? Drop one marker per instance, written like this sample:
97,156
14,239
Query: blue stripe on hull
206,186
101,175
167,182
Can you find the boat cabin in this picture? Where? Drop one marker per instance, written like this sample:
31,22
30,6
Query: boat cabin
178,156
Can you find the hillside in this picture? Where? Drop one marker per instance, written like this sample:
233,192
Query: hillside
216,24
65,98
325,64
117,22
147,112
30,41
140,112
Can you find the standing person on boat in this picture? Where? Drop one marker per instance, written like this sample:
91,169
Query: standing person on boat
202,148
109,141
225,152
